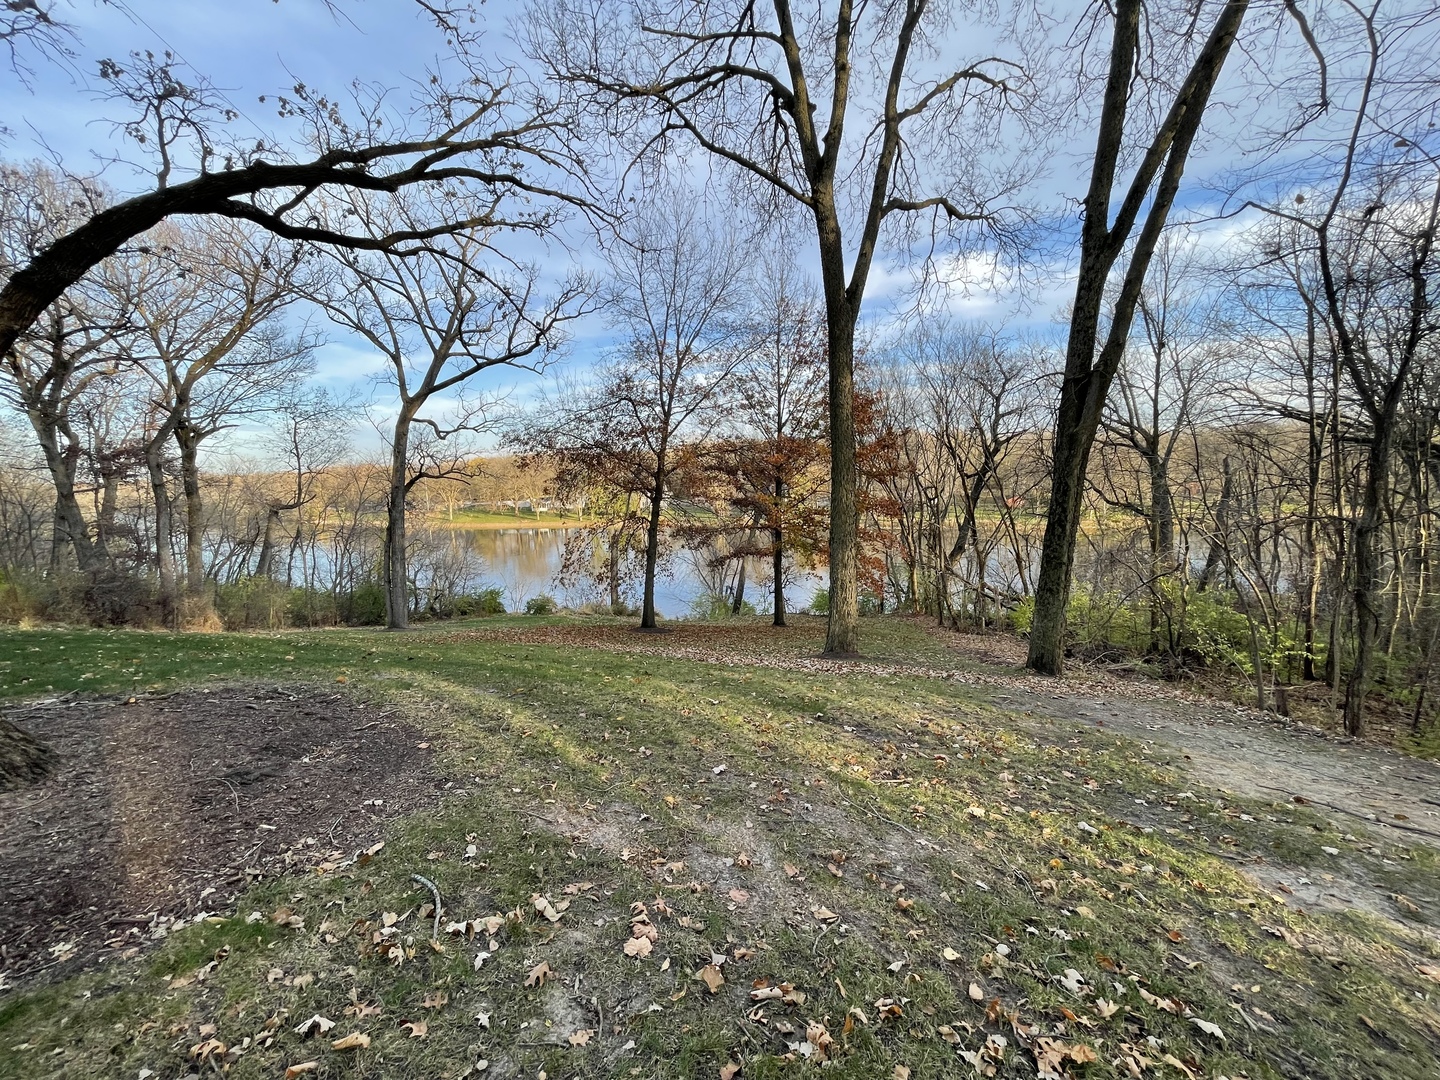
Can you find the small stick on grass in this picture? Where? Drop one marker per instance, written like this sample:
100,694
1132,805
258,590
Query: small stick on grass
435,892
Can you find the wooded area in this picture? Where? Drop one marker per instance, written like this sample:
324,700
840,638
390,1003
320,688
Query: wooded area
1220,456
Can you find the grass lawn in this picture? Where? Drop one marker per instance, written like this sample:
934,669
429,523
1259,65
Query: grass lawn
843,875
474,518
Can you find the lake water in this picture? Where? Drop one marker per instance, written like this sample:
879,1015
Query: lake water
523,564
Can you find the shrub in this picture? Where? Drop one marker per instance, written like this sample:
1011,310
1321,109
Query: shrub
489,601
820,602
544,604
253,604
363,606
311,607
22,599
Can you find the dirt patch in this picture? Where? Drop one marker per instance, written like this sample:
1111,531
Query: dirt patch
23,759
164,807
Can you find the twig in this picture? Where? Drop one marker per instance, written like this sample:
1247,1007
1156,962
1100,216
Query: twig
435,892
234,792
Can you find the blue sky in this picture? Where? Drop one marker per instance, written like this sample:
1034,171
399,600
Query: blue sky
254,47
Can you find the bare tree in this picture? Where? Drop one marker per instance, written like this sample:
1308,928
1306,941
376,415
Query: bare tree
440,319
202,299
674,294
73,343
1166,387
831,107
778,428
472,144
1107,233
1374,239
308,434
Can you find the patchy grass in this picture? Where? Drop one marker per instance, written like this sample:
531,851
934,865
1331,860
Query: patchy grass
475,518
1004,894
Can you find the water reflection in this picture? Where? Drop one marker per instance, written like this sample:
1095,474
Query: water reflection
524,562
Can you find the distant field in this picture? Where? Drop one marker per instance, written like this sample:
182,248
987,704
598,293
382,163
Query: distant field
503,519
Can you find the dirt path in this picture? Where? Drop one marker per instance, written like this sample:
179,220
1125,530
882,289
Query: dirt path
1359,786
161,808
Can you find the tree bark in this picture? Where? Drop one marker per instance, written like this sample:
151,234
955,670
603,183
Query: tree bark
397,598
189,442
164,529
842,635
70,521
777,543
265,565
652,548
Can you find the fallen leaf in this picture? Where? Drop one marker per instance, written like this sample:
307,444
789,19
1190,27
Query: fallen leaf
581,1037
538,974
356,1041
316,1025
418,1029
301,1069
638,947
729,1071
1207,1027
950,954
824,914
902,1072
976,994
1430,971
435,1000
711,977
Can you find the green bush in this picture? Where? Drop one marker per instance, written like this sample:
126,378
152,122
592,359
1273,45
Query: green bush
21,598
253,604
364,606
489,601
311,607
544,604
866,603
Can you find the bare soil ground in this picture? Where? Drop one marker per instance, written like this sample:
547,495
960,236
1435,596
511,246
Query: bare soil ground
161,808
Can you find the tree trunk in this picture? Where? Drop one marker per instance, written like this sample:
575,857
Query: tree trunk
613,554
739,603
1369,578
1162,544
164,529
777,554
189,442
265,565
1087,377
397,598
69,519
842,636
652,548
